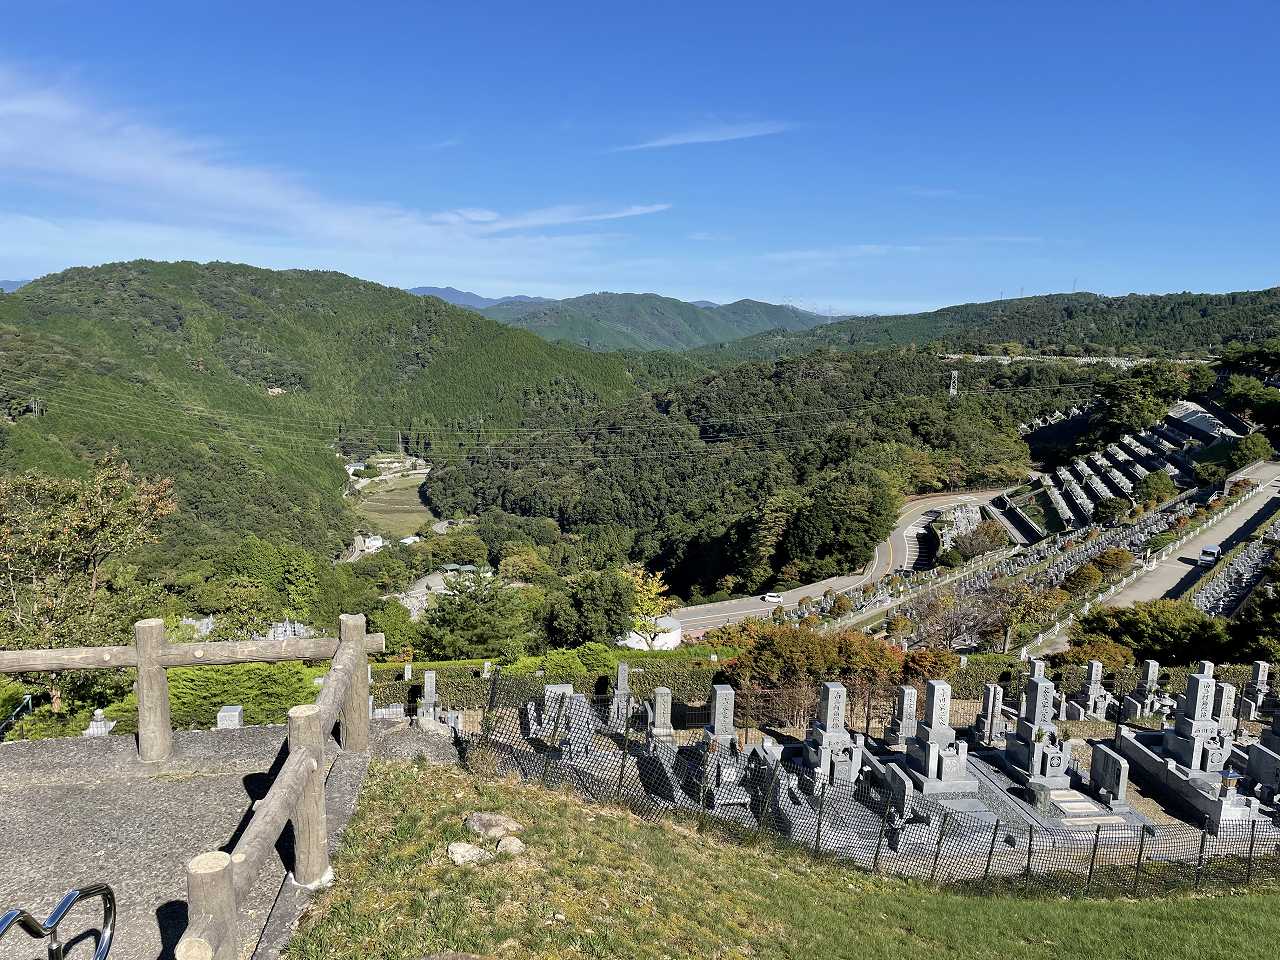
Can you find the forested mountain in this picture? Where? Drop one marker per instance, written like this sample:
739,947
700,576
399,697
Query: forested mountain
472,301
245,384
646,321
1164,325
769,473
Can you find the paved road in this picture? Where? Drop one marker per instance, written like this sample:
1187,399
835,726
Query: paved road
1176,574
889,555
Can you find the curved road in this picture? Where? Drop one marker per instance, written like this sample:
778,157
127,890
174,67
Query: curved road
889,556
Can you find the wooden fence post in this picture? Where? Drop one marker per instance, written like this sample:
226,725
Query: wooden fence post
155,728
211,909
310,825
355,705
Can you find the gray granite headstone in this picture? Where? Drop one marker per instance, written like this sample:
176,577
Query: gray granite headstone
230,717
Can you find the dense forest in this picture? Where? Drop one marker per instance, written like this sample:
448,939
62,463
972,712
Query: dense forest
646,321
774,473
1075,324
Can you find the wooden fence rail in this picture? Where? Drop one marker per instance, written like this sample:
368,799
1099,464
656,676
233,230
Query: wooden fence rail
152,654
217,882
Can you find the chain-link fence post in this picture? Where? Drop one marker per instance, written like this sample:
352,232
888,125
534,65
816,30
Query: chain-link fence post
884,820
626,747
1248,869
1031,844
817,834
1137,864
1093,857
767,811
1204,839
937,850
991,851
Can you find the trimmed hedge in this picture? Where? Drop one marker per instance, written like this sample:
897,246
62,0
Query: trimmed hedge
266,691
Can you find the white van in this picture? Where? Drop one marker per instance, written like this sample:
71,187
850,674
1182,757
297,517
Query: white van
1210,554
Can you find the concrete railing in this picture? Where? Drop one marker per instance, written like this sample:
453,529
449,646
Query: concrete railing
152,654
218,882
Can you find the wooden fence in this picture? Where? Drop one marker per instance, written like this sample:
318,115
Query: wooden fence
152,654
217,882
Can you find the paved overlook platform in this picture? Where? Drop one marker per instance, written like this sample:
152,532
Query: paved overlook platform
83,810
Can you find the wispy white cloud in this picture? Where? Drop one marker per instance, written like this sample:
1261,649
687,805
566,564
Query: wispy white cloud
718,133
835,254
140,190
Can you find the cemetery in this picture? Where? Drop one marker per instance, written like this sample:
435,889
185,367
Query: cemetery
1000,791
1067,497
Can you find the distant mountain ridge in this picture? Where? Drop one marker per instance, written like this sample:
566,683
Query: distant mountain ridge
474,301
647,321
8,286
1086,324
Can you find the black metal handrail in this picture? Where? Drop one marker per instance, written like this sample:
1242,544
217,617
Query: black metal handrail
27,923
25,705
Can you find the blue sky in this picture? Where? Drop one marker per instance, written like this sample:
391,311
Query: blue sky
843,157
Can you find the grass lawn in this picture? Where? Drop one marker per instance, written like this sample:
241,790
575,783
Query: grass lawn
393,506
599,882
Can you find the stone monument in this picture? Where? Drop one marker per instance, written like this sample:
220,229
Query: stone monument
659,711
829,750
1091,701
937,761
989,728
903,725
1034,752
230,717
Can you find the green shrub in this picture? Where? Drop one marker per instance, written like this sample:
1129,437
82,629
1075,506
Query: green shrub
266,691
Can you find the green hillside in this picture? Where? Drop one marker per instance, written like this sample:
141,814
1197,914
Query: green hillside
646,321
1168,325
771,473
246,385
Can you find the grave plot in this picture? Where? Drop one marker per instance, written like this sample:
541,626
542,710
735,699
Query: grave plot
1201,769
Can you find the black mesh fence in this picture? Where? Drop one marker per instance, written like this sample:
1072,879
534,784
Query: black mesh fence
604,749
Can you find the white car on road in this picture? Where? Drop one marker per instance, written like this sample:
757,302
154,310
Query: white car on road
772,598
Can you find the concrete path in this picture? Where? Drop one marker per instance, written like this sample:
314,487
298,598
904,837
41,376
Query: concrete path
1178,573
890,555
83,810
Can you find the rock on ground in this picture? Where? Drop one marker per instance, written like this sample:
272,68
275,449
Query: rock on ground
467,853
511,846
494,826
